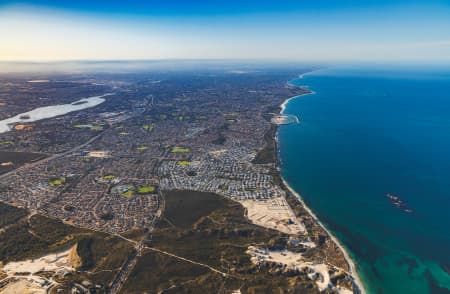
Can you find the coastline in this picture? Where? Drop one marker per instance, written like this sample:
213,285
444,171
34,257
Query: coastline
357,281
358,285
285,102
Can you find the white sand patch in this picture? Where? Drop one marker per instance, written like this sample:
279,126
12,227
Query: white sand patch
316,271
217,152
319,273
32,283
51,262
344,290
98,154
293,240
22,286
308,244
273,213
282,119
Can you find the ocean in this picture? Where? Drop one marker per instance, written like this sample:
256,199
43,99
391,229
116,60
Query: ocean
366,133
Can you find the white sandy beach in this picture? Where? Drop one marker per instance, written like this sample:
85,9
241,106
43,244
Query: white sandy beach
350,262
285,103
352,266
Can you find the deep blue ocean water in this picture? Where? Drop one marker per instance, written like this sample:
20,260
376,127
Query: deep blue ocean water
366,133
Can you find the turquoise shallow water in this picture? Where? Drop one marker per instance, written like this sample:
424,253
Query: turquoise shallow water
366,133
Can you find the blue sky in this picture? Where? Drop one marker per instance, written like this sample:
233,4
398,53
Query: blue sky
343,31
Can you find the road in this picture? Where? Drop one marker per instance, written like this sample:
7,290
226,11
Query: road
125,270
52,157
188,260
128,266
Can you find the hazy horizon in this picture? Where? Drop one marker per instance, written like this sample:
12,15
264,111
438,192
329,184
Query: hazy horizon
129,66
303,31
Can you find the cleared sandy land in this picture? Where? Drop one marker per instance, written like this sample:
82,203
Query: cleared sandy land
343,290
20,282
23,287
316,271
275,214
51,262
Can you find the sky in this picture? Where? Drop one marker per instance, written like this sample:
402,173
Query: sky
298,30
